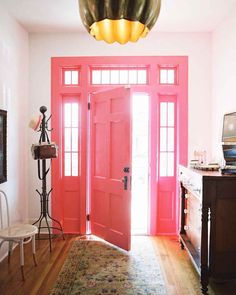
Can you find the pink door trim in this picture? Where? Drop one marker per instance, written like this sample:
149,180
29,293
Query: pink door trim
155,90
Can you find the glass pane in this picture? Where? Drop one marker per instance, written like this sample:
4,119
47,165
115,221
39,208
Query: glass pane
171,76
163,164
140,106
140,162
67,114
142,76
171,114
75,136
170,167
67,77
75,114
114,77
170,139
124,77
75,170
67,164
75,78
163,139
96,77
163,76
67,139
132,76
105,76
163,113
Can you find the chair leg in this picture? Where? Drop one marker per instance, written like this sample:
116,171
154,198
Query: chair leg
10,246
33,250
22,259
22,273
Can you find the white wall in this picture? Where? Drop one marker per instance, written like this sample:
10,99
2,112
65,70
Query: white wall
223,77
14,56
195,45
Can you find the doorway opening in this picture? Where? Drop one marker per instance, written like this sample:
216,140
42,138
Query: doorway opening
140,164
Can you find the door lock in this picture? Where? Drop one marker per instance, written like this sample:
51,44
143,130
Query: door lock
125,181
126,169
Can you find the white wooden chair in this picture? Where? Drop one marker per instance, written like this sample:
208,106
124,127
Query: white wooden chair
20,234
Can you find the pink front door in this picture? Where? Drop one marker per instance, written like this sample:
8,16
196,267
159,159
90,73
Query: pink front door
111,166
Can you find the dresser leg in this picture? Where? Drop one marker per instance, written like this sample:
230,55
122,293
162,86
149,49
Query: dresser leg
181,245
204,281
204,290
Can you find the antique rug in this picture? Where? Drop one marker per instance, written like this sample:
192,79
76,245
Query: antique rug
99,268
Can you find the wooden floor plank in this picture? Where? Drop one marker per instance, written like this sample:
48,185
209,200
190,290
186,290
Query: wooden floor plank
179,274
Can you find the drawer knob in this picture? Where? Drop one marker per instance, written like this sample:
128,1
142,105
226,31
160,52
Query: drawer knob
185,211
186,227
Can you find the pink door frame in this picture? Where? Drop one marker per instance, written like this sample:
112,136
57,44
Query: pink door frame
155,90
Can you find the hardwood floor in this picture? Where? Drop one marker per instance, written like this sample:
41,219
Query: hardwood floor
39,279
179,274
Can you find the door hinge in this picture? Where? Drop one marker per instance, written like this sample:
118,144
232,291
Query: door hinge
89,105
88,217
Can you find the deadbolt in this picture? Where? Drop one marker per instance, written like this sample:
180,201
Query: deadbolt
126,169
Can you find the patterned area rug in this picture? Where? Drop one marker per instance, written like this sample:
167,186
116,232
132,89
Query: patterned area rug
99,268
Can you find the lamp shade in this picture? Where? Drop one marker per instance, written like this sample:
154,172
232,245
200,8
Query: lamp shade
119,20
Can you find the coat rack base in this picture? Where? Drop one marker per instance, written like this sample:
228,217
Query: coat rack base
50,229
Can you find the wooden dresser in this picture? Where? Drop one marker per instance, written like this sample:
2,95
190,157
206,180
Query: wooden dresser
208,223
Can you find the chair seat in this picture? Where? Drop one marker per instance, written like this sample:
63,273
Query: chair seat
18,231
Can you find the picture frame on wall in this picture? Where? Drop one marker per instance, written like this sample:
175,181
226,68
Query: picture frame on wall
3,146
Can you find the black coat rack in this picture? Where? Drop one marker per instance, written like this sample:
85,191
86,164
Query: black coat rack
44,195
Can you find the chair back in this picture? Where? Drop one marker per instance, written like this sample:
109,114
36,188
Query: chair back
4,211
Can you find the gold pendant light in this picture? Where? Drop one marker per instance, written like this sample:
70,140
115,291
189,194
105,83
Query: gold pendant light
119,20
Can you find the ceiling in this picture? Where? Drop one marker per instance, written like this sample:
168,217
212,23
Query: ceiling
63,15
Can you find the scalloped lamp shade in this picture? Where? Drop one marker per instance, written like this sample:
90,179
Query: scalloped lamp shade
119,20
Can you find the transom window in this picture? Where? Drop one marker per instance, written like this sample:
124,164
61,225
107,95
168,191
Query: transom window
118,76
167,75
71,76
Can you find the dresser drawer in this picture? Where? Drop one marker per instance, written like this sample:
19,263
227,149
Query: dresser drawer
193,220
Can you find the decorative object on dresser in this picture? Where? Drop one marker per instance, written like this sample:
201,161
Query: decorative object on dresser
208,167
199,162
207,229
42,151
200,156
229,143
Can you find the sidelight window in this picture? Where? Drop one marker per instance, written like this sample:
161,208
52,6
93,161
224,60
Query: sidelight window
167,138
71,146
